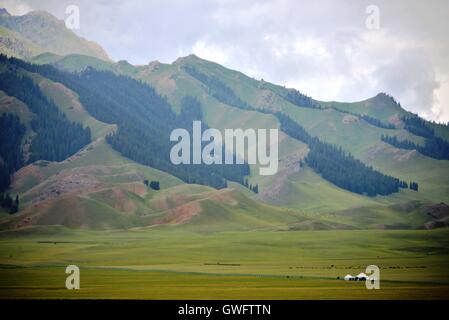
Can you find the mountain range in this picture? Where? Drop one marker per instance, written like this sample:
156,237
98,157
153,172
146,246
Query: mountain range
83,135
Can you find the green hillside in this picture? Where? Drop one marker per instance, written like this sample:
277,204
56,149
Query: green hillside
294,186
107,189
14,44
337,123
350,132
78,62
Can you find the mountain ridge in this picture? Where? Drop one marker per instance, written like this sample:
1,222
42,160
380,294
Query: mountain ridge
47,34
298,190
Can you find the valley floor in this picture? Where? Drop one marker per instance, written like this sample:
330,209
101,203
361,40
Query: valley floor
169,263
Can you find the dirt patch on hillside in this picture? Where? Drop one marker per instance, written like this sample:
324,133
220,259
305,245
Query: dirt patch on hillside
5,99
265,99
224,196
183,208
439,215
437,211
164,82
59,87
30,171
13,105
84,151
395,120
173,200
180,214
405,156
63,183
30,215
348,118
167,83
137,188
398,155
121,203
373,152
150,68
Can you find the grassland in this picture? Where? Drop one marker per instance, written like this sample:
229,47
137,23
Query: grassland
172,263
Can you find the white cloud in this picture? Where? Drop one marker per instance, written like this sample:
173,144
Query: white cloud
15,7
210,52
311,47
440,109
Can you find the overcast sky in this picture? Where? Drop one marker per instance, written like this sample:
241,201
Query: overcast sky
322,48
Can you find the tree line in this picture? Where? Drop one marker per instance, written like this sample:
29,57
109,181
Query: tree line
371,120
250,186
11,158
154,184
218,89
301,100
418,127
55,138
434,146
144,120
377,122
339,167
328,160
8,203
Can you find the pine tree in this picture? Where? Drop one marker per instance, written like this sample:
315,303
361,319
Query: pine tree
155,185
256,188
414,186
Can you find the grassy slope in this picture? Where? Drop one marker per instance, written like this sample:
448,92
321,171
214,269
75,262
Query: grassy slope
21,47
78,62
96,188
12,105
382,108
113,196
363,141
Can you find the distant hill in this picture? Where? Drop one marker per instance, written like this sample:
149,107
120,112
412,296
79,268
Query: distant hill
39,32
365,164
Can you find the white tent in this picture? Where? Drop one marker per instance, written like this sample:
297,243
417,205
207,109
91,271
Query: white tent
348,277
362,276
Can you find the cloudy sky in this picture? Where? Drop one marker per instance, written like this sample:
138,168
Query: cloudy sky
330,50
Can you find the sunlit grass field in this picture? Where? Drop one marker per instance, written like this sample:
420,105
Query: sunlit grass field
169,263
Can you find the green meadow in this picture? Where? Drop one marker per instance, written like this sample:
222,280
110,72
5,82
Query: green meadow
172,263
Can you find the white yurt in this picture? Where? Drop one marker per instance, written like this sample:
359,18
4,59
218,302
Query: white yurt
361,276
348,277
